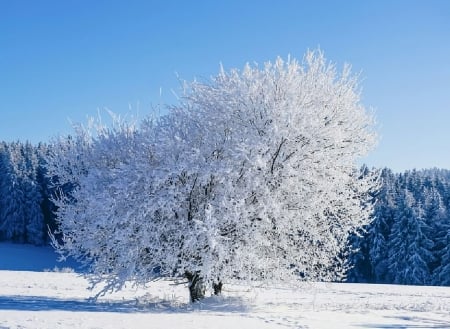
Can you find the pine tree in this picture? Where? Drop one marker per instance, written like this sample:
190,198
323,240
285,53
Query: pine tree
13,217
35,228
21,217
436,218
360,266
4,169
442,272
410,247
380,229
47,192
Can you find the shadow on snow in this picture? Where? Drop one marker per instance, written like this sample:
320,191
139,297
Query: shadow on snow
416,322
42,303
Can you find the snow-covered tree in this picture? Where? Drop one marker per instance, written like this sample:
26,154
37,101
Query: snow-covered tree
442,272
251,177
21,197
46,191
13,217
5,170
407,242
380,228
35,227
410,246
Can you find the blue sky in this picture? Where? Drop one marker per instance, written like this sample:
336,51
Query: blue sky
62,60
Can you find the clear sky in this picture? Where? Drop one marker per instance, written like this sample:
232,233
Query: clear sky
62,60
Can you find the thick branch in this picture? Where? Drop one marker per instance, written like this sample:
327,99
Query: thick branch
277,153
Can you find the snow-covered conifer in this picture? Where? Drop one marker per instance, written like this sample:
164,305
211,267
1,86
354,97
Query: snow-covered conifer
410,246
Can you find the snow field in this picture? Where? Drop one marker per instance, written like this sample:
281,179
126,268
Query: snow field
61,300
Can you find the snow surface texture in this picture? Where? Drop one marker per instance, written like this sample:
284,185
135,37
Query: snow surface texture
33,297
61,300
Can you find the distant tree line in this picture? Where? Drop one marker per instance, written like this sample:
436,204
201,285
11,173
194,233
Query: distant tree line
408,241
26,213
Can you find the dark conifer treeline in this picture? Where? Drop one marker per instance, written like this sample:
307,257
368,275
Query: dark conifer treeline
408,242
26,212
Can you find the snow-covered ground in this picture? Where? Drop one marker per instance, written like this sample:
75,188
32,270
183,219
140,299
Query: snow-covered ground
38,299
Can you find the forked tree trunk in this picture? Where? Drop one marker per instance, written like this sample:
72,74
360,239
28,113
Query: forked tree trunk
196,286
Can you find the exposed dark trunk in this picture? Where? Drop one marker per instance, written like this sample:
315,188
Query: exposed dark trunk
196,286
217,287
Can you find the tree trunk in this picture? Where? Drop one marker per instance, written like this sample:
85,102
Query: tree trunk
217,287
196,286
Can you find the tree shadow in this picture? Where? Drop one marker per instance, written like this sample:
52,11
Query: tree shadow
226,304
149,305
40,303
416,322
